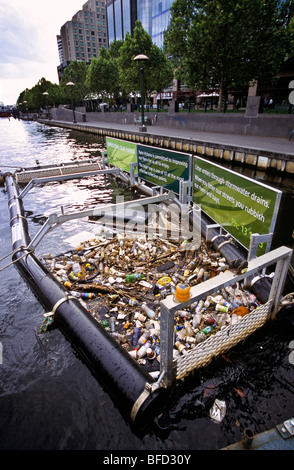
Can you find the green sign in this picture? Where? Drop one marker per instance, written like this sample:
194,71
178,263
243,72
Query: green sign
121,153
235,202
163,167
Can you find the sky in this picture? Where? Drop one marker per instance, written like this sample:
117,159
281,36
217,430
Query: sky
28,46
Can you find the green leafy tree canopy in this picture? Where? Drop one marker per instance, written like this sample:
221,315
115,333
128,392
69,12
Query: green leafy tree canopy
227,43
76,72
158,72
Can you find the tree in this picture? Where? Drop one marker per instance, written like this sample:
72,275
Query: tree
36,99
158,72
76,72
226,43
114,48
103,75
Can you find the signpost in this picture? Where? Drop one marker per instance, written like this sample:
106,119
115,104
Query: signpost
163,167
121,153
235,202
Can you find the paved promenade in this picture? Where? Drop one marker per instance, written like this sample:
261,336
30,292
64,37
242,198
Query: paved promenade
269,144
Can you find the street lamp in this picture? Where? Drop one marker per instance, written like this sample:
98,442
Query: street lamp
142,58
46,95
71,85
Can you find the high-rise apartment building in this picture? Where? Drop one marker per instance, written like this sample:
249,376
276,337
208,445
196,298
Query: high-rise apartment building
153,14
82,37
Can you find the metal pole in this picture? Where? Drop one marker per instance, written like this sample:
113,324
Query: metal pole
142,96
73,106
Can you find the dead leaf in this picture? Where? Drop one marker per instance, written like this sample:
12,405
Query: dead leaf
240,393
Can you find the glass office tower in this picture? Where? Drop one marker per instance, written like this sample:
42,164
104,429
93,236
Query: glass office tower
121,18
153,14
160,20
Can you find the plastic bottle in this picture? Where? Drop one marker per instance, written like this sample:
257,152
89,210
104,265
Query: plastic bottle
181,347
101,267
188,328
208,329
150,353
76,268
221,308
209,321
182,313
139,316
200,274
207,302
156,349
190,339
121,338
191,265
149,312
134,277
200,337
235,319
136,335
221,321
88,295
196,319
143,338
181,334
112,324
76,294
200,306
143,349
131,302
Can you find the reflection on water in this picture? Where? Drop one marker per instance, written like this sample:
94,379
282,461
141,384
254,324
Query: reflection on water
50,400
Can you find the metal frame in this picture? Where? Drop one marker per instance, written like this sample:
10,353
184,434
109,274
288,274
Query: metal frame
170,370
54,219
48,179
281,257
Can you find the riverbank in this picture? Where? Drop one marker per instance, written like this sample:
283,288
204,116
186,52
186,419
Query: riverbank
272,154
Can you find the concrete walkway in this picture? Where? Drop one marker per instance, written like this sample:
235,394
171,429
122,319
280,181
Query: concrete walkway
269,144
260,143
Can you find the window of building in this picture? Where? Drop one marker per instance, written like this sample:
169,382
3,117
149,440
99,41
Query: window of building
117,19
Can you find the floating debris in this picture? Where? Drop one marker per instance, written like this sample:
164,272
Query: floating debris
122,281
218,410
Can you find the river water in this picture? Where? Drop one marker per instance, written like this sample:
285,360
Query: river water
49,400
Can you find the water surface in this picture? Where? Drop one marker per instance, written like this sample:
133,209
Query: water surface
49,400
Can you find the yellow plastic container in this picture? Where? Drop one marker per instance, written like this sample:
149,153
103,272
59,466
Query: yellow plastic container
182,293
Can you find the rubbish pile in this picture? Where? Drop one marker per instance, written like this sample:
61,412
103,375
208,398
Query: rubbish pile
122,281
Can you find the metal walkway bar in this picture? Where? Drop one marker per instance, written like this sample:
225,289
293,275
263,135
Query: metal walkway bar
48,179
54,220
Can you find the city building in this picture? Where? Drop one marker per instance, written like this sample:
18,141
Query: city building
160,20
82,37
153,14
